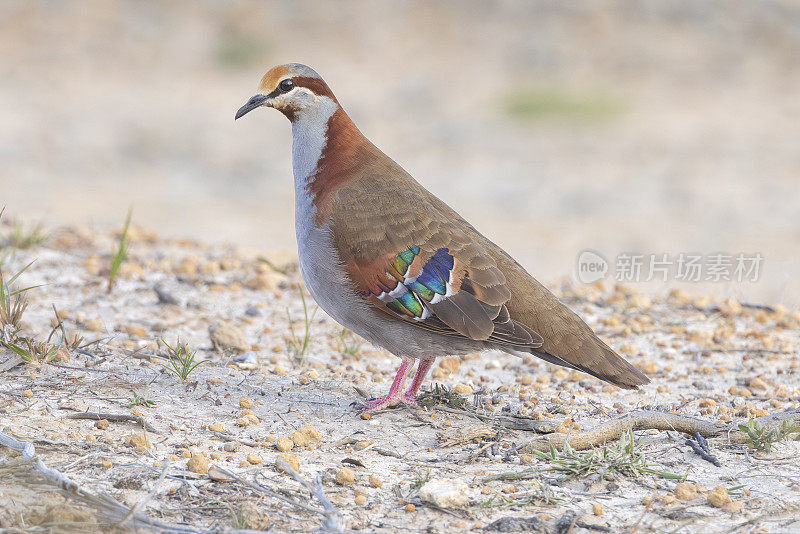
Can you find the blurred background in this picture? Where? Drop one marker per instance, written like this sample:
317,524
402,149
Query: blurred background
619,126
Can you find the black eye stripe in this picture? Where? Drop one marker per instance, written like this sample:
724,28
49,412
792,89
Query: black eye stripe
280,89
275,93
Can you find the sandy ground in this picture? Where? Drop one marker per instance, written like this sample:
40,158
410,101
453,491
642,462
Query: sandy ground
715,360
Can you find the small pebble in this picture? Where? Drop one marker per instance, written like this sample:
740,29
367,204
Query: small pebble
215,474
242,421
135,330
216,427
647,366
597,509
226,335
245,402
102,424
308,435
686,491
462,389
93,325
410,507
27,393
345,476
284,444
291,459
198,464
140,439
375,481
718,497
361,499
254,459
363,444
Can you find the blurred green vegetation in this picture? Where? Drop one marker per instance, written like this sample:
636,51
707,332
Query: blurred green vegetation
540,103
238,48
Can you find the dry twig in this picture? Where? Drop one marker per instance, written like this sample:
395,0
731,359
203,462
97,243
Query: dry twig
652,420
35,472
511,422
333,520
116,417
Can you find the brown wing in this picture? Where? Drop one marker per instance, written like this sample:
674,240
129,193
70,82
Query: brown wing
418,267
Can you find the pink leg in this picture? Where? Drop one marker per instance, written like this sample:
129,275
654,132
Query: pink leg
422,371
395,396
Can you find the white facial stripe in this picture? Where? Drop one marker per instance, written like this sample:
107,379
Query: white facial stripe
309,135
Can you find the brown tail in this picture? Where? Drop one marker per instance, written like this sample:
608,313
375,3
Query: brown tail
607,365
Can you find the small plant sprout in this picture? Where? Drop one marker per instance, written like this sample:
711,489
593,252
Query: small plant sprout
13,302
239,518
23,238
761,439
180,360
121,253
139,400
440,394
538,493
349,343
626,458
418,481
295,345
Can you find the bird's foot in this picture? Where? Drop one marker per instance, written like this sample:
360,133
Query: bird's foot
389,401
410,399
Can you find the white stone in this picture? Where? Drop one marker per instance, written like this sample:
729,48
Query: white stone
445,493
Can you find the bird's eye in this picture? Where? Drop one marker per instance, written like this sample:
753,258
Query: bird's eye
286,85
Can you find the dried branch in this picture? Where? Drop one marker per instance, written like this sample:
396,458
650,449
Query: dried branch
116,417
35,472
511,422
700,446
653,420
333,519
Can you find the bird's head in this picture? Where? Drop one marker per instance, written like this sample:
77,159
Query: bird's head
292,89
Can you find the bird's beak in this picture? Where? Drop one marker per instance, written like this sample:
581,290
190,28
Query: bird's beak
253,103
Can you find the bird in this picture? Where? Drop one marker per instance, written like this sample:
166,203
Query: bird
387,259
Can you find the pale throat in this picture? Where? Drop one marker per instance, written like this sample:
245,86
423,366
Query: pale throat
309,137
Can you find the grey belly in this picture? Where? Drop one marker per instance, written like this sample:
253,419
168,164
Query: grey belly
328,284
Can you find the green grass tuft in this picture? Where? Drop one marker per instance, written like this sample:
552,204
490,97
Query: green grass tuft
23,238
440,394
180,360
761,439
349,343
539,494
121,253
296,346
140,400
626,459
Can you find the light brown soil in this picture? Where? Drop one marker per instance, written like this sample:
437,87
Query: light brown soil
719,361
